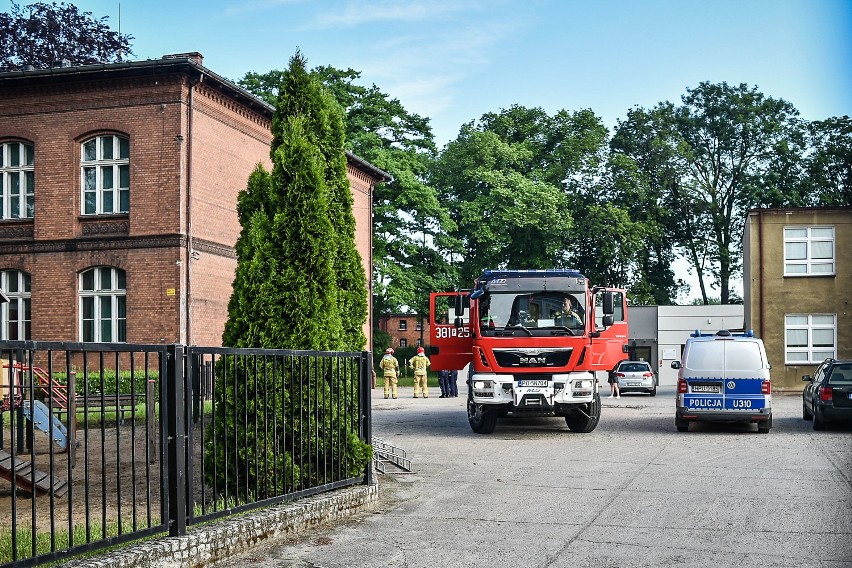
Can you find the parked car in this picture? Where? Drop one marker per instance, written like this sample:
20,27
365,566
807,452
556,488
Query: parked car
827,397
724,377
636,376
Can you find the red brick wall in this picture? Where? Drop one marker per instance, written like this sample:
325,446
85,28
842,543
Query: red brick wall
391,324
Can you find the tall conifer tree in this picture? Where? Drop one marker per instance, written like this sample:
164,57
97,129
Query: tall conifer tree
299,285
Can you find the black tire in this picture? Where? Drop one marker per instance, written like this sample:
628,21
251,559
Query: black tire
482,420
653,392
805,414
819,421
765,427
585,419
681,425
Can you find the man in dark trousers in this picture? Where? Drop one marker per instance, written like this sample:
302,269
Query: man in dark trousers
452,387
443,382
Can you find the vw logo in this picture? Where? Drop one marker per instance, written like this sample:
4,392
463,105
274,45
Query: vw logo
731,385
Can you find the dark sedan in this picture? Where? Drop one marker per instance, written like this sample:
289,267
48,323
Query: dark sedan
827,397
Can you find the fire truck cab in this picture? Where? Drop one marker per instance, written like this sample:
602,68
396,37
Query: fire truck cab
534,340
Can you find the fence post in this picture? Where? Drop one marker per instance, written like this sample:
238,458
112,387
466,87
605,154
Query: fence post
177,441
365,385
71,446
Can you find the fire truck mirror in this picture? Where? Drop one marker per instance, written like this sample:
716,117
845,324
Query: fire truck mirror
607,321
459,308
608,307
459,322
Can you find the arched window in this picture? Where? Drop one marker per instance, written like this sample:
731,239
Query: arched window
103,305
17,164
17,314
105,175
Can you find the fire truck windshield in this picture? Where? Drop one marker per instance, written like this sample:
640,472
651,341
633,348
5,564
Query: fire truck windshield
528,311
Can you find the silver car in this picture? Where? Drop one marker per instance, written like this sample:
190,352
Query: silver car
636,376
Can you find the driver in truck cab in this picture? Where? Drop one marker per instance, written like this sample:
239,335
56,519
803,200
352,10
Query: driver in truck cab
570,315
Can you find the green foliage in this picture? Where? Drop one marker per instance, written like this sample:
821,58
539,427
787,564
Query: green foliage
515,183
299,285
108,382
277,430
701,165
40,34
828,167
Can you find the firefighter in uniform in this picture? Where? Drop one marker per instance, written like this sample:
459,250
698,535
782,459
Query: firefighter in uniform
419,363
390,366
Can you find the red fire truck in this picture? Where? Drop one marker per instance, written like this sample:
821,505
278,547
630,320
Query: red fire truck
534,340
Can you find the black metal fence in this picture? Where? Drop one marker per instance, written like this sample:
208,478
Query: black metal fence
101,444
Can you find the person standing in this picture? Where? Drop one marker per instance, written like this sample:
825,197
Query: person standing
390,366
452,386
420,363
613,386
444,383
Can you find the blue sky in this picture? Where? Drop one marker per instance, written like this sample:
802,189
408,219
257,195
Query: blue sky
453,60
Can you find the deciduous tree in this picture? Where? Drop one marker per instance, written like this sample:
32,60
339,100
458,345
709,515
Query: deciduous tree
41,34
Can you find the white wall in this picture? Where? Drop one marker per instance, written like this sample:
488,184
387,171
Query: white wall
675,323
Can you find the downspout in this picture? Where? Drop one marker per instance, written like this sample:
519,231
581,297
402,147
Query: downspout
189,258
760,266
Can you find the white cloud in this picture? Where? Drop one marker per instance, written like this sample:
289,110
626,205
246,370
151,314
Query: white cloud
357,13
256,6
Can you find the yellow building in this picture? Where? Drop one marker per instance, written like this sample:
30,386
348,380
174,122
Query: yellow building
797,284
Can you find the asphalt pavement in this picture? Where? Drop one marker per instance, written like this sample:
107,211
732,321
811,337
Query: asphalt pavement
634,492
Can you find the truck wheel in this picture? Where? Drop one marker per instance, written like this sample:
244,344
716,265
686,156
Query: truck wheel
482,419
585,418
681,425
764,427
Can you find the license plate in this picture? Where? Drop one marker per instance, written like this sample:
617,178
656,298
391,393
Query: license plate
850,396
705,388
634,384
533,383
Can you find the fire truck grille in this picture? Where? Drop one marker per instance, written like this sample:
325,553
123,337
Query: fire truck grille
532,357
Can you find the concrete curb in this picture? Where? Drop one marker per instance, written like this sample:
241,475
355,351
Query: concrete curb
207,544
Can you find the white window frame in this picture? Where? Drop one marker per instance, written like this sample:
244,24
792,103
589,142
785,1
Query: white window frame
103,188
814,354
17,180
105,303
16,285
809,240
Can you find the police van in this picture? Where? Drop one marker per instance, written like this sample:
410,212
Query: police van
723,377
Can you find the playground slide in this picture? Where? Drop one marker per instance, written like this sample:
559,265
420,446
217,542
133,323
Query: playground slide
21,473
48,423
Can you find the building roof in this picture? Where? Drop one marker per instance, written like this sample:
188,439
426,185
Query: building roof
186,63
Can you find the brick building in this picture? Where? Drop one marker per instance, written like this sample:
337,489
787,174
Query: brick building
119,191
405,329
